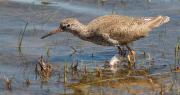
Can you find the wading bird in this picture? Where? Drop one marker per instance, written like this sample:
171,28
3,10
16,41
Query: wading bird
111,30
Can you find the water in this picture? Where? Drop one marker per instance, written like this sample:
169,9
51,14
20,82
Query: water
42,18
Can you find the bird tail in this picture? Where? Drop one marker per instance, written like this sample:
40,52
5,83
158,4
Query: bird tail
157,21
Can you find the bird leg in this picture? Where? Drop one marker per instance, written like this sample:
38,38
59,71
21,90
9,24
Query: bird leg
124,51
121,51
131,56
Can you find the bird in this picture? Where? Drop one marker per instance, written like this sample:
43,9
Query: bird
111,30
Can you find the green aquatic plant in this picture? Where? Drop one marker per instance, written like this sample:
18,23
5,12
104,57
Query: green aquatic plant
48,51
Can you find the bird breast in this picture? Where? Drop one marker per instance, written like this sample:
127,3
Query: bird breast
99,40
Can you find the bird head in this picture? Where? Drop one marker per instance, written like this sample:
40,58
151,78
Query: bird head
66,25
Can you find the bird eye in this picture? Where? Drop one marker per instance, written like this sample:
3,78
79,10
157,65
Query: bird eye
68,25
60,26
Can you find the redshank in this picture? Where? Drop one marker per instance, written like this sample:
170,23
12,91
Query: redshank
111,30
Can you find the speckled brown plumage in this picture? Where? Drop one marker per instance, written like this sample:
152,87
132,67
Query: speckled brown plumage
124,29
112,29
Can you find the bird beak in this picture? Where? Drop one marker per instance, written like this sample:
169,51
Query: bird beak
52,32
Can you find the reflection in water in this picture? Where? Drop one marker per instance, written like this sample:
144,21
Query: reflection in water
139,82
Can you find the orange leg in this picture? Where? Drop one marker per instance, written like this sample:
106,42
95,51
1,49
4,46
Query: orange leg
131,56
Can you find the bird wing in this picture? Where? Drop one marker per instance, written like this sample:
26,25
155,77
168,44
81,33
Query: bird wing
123,29
144,20
153,22
126,34
104,22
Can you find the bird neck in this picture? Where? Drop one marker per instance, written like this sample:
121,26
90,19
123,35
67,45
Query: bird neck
82,32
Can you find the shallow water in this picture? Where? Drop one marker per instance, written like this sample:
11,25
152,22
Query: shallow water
41,18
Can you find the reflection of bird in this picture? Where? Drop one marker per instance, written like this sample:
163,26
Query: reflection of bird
111,30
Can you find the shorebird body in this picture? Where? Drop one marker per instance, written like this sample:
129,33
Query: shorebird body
111,30
121,30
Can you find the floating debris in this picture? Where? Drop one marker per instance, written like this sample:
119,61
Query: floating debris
74,66
8,83
45,70
27,82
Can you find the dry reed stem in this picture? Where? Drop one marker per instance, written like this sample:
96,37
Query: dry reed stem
45,70
8,83
21,36
65,74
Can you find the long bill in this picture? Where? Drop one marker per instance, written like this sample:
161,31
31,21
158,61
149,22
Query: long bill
52,32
